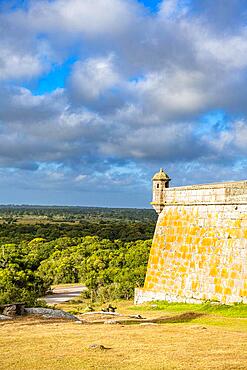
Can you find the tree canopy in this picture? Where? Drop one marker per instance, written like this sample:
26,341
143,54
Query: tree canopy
109,269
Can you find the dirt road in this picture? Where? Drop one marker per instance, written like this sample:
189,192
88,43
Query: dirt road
64,294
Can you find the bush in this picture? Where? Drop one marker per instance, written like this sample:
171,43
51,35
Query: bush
109,269
18,281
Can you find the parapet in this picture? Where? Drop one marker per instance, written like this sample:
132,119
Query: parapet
216,193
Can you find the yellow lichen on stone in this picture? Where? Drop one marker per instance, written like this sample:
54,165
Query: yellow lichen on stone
185,249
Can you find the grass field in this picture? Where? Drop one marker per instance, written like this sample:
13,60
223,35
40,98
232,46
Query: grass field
237,310
213,341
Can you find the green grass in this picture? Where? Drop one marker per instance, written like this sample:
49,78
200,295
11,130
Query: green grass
236,310
214,340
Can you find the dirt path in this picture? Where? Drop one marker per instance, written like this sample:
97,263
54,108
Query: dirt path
64,294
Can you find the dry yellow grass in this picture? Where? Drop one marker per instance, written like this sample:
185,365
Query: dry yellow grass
205,343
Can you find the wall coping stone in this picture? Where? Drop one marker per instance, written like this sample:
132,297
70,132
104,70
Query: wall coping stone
216,185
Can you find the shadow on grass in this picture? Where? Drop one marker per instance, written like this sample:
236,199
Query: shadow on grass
181,318
184,317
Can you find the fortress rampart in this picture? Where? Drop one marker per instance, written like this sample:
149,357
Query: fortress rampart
221,193
199,249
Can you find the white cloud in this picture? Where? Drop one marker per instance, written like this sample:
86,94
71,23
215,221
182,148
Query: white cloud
80,178
16,65
174,93
228,51
92,17
91,78
239,137
172,9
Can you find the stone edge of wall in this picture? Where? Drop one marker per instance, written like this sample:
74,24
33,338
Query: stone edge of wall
217,193
143,296
215,185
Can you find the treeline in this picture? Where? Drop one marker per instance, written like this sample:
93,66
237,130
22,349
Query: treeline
78,213
125,230
110,269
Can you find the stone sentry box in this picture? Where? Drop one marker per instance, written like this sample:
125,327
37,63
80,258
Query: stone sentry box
199,249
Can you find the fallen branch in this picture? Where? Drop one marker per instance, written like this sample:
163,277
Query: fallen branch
184,317
138,317
102,313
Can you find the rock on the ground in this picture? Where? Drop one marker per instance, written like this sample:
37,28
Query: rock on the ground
136,317
98,347
110,322
50,313
198,327
4,317
10,311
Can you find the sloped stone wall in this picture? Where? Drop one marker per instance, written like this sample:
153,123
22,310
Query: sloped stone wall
199,250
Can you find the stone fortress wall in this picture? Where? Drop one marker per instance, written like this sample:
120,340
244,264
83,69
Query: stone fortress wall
199,249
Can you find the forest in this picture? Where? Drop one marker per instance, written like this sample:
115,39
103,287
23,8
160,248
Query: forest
105,249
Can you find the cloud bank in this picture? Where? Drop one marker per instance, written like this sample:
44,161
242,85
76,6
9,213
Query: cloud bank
96,95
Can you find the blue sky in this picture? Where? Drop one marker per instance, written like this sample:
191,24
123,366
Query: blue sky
97,95
153,5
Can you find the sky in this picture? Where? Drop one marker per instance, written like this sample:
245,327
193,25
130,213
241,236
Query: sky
97,95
